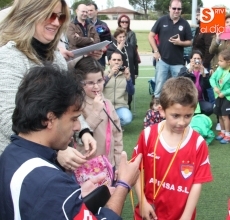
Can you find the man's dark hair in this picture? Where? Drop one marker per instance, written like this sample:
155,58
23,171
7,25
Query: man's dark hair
93,3
43,90
115,52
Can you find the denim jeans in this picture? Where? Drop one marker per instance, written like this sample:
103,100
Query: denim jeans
125,115
163,71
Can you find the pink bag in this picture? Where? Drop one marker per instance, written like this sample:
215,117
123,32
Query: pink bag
93,167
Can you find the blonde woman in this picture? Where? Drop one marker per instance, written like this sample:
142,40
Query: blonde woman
29,36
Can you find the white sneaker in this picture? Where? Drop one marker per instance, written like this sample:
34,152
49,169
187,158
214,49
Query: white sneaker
218,128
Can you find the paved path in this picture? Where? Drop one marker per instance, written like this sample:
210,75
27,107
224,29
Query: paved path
146,60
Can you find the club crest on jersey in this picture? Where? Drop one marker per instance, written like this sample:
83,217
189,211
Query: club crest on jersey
187,169
181,28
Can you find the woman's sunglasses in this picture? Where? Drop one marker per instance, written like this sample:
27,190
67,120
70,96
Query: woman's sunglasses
61,17
124,22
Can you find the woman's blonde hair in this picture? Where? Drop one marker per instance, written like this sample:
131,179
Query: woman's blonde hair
19,25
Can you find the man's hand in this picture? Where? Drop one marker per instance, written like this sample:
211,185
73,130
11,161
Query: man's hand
90,144
175,41
114,70
90,185
127,73
129,172
156,56
70,158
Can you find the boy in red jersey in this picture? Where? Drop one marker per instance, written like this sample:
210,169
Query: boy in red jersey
175,158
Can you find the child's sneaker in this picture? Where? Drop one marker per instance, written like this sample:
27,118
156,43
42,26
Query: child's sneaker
225,140
220,136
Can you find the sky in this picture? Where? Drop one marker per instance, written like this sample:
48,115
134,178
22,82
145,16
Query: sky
102,4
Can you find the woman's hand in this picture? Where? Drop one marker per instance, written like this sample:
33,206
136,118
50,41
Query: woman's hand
96,54
202,70
70,158
191,68
121,45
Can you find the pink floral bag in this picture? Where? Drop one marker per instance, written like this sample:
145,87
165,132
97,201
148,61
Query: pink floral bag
99,164
93,167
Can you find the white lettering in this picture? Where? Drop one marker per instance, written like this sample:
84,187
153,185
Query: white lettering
219,10
87,215
172,187
179,188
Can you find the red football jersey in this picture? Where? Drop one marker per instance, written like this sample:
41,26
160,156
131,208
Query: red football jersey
191,165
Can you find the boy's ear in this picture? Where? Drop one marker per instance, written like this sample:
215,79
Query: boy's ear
161,111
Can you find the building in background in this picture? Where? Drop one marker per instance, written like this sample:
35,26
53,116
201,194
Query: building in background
115,12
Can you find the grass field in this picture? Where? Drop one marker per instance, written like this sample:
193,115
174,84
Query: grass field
214,196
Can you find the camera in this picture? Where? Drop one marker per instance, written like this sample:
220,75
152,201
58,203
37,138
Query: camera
197,61
122,68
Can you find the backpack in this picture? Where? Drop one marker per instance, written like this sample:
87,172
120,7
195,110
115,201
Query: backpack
152,85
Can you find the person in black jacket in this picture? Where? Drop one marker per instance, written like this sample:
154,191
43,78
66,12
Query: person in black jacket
100,26
200,76
128,53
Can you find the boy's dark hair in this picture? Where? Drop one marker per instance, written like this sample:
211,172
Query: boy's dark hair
225,54
43,90
88,65
178,90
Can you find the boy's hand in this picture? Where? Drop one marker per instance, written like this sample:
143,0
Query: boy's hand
148,212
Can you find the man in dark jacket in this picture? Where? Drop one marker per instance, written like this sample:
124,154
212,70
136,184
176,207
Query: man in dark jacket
100,26
33,186
80,32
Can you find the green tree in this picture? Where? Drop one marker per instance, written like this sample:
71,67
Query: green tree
78,2
145,5
110,3
5,3
163,6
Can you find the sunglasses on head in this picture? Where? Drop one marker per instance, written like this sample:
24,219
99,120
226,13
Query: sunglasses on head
178,9
61,17
124,22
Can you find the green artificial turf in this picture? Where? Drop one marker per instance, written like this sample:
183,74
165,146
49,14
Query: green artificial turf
213,200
